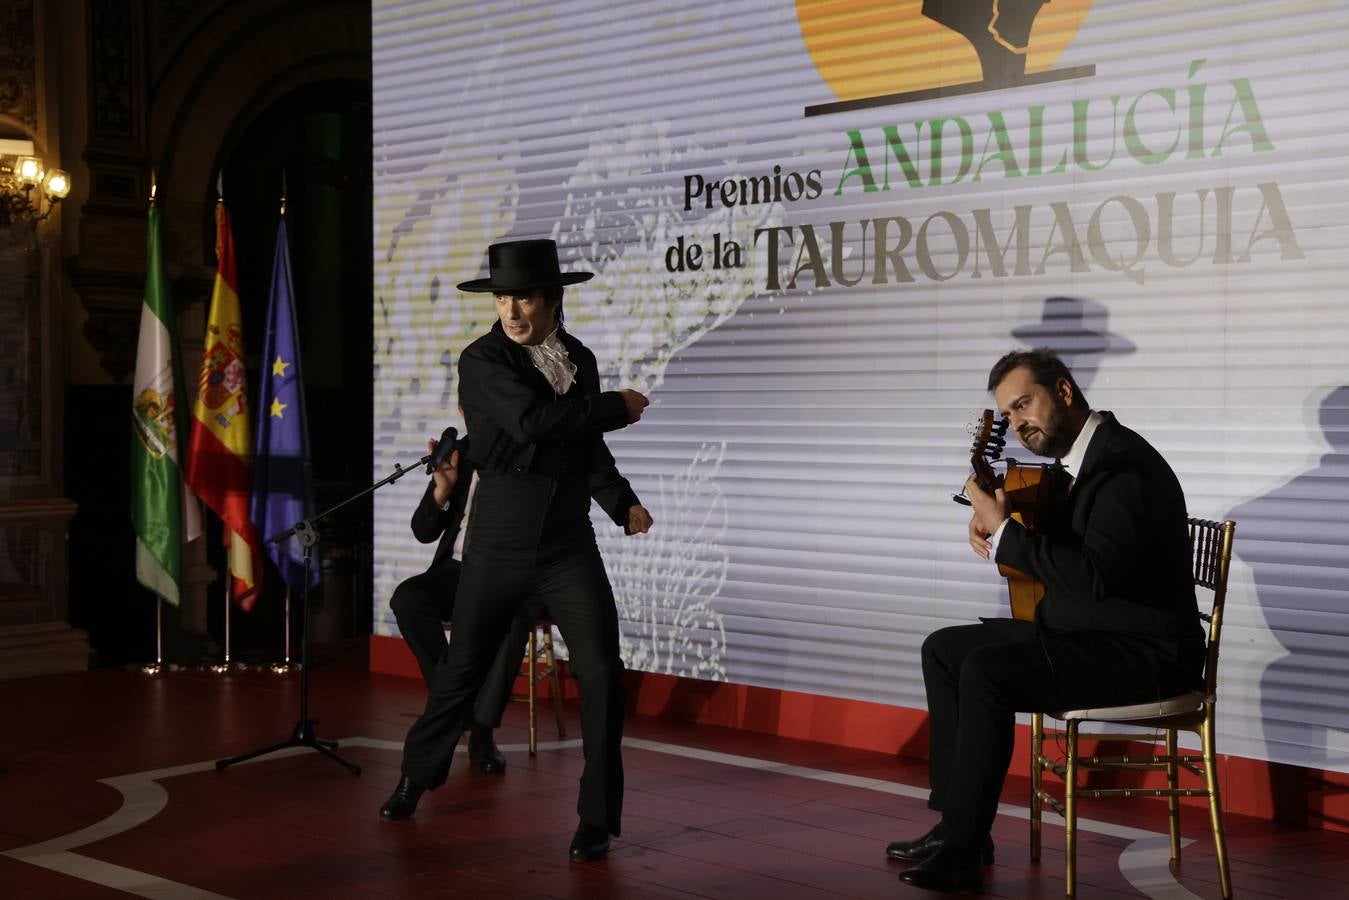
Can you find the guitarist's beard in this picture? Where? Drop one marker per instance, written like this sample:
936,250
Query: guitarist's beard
1055,439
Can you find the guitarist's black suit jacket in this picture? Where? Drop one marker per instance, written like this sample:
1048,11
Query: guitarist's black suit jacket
1114,553
1118,624
540,458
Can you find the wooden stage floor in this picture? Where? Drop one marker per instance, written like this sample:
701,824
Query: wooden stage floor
111,792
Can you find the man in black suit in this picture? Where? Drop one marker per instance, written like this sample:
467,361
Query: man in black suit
533,404
1118,623
423,603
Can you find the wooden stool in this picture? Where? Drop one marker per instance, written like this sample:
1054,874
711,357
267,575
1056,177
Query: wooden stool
541,651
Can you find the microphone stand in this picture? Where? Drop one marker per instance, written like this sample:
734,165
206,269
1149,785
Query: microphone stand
303,735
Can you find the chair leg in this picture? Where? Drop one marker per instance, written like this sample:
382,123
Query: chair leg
1037,739
1215,806
555,683
1070,814
1172,799
533,683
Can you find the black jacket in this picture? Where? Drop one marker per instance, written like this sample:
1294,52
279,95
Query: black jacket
430,522
526,439
1114,552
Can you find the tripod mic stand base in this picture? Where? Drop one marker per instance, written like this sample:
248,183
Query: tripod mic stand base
303,736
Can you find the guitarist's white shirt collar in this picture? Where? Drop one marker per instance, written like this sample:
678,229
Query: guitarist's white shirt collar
1072,460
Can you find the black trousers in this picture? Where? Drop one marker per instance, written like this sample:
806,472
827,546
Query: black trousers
423,603
979,676
569,580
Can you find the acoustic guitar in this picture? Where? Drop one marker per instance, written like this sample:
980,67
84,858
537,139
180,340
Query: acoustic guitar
1027,492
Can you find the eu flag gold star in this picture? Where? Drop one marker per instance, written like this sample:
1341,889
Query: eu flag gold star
279,367
277,407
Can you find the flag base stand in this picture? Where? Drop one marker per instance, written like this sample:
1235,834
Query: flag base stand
303,734
223,668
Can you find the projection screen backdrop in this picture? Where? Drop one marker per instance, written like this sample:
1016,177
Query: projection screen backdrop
815,226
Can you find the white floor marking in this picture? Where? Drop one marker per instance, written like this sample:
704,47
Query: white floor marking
1145,863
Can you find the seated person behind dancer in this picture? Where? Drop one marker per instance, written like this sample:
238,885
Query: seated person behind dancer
423,603
1118,623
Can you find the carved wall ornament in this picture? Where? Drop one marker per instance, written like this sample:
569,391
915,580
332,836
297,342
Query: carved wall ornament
18,70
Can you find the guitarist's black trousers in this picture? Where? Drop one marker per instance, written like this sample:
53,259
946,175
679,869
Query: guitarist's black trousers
979,676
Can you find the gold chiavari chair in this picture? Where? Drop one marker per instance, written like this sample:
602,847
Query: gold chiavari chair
1192,712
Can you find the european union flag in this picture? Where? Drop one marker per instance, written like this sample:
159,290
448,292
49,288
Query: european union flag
282,494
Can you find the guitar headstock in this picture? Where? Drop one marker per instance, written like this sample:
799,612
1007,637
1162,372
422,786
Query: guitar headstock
990,437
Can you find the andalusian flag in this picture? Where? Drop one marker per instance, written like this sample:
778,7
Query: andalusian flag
220,447
164,513
281,486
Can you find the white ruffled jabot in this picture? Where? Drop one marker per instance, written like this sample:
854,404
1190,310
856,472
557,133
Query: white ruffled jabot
550,358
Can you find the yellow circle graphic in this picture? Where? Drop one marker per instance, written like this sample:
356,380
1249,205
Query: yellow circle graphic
870,48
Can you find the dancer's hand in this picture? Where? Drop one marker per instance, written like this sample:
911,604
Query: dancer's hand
635,402
639,521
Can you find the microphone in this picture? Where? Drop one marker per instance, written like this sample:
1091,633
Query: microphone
444,448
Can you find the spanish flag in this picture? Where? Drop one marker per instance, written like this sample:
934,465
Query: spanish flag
220,445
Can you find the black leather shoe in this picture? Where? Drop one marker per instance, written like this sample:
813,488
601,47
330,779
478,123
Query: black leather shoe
402,803
589,842
945,870
922,848
483,754
915,850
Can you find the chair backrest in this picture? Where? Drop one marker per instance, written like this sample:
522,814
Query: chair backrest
1211,543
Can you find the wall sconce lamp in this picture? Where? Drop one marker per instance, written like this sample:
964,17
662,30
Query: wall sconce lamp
29,191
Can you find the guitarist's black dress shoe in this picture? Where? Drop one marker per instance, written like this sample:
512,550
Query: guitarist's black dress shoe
589,842
483,754
949,871
923,847
402,803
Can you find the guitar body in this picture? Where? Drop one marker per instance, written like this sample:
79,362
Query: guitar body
1023,485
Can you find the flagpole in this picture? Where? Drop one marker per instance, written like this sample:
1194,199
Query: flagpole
225,665
228,664
220,444
285,666
158,665
229,595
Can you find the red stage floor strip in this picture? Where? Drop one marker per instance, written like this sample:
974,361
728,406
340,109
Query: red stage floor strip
710,812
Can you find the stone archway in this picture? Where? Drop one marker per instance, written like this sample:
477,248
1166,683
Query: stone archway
168,87
190,87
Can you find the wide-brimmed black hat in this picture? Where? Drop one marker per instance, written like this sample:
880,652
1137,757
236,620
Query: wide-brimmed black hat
515,266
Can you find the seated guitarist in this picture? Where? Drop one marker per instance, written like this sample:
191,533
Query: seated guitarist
1118,623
